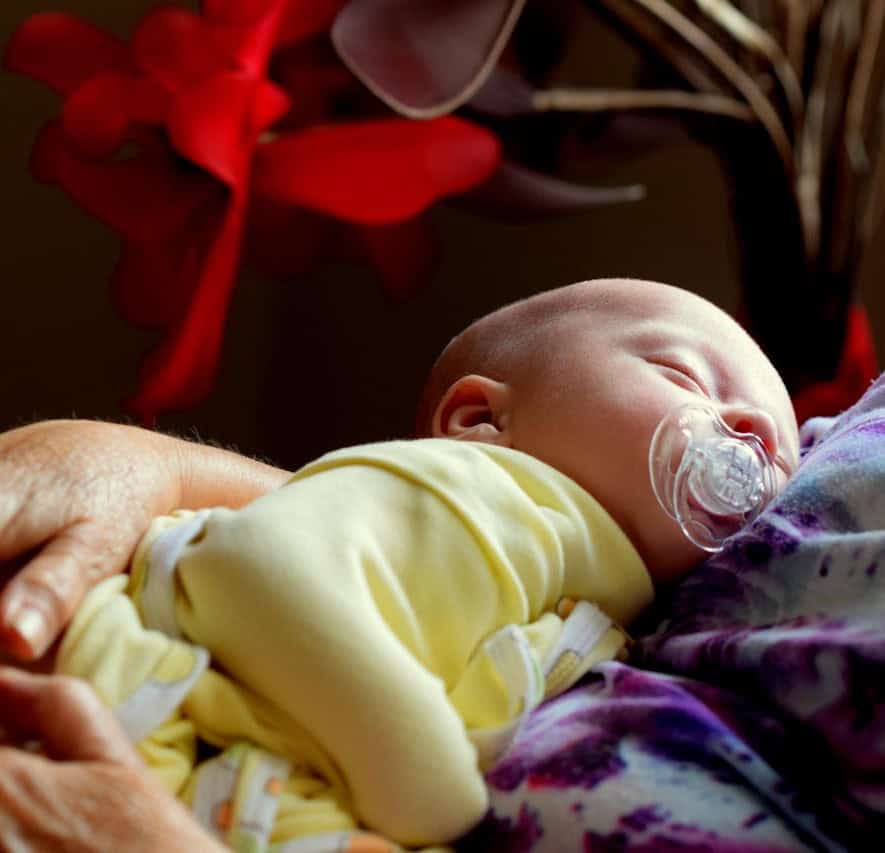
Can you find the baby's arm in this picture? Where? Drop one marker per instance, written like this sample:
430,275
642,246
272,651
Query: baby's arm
76,496
298,598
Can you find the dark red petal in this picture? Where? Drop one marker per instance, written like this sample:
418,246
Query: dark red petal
270,104
284,241
176,46
211,124
154,280
62,51
305,18
48,149
312,76
143,285
404,255
375,173
181,371
143,198
97,117
246,31
236,12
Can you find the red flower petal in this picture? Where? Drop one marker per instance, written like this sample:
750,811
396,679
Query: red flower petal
154,280
247,31
143,285
47,152
270,105
62,51
181,371
375,173
284,241
144,198
404,255
312,76
235,12
98,115
176,46
214,124
305,18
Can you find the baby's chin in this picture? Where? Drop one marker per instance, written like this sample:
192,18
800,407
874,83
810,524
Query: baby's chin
669,555
781,479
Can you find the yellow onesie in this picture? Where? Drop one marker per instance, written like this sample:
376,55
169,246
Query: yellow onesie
359,644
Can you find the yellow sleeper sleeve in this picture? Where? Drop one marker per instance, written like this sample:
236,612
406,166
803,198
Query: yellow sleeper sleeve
143,675
354,603
289,606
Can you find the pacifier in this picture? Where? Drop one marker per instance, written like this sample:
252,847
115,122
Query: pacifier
707,477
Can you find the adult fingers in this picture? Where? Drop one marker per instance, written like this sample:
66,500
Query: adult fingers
65,715
75,496
90,807
40,598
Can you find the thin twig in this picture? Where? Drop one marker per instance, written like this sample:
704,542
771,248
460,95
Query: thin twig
858,95
814,143
606,100
755,39
875,203
694,36
638,23
852,160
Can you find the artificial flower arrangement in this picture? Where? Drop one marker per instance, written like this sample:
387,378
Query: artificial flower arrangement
276,130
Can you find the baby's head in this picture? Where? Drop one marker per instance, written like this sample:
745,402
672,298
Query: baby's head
581,376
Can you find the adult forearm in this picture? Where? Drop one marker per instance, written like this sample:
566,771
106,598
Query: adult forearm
212,476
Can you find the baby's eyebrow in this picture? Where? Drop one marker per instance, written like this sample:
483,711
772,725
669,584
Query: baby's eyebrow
658,336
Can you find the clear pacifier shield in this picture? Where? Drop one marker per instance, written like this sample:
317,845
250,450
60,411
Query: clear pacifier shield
709,478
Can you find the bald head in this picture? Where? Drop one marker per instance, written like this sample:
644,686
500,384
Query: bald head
506,343
580,377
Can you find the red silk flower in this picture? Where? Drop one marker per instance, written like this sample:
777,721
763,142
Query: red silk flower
180,142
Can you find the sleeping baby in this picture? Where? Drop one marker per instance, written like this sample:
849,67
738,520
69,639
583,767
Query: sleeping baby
333,666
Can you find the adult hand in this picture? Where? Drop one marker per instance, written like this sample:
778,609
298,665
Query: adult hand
89,792
75,496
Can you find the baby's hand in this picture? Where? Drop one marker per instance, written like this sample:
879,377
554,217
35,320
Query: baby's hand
75,496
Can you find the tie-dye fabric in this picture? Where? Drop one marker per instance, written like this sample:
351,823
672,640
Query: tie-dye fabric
752,718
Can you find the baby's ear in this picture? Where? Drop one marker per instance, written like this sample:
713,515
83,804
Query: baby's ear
475,408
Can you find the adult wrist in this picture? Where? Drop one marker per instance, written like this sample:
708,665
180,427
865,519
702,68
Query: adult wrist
204,476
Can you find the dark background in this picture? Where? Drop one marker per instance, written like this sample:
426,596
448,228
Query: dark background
327,360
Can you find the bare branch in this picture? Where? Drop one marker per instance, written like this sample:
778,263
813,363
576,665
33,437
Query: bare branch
607,100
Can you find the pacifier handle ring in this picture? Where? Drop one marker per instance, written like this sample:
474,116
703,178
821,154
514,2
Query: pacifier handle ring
686,521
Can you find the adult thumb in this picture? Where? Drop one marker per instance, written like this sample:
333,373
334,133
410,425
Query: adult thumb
65,715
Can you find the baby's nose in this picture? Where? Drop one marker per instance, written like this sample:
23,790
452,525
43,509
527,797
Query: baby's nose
757,421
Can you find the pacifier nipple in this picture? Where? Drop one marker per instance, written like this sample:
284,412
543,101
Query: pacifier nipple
709,478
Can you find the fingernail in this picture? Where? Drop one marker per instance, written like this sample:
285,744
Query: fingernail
30,624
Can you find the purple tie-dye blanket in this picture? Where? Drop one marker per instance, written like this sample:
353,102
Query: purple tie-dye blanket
752,718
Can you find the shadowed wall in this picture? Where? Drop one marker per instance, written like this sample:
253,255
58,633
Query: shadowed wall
326,360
